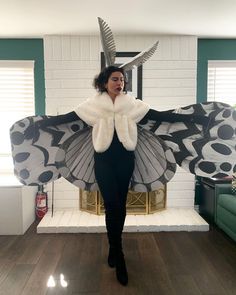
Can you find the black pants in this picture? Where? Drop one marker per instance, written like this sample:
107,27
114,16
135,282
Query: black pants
113,170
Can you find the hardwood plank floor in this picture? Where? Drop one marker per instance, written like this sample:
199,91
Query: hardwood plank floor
178,263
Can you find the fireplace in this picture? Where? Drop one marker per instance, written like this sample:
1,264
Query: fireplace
137,202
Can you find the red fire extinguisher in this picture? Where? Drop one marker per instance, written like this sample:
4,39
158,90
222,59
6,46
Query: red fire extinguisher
41,203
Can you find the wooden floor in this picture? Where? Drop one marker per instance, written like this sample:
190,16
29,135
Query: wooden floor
158,263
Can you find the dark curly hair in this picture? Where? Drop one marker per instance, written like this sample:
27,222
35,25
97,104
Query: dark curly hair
101,80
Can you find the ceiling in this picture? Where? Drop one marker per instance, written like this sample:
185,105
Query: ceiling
202,18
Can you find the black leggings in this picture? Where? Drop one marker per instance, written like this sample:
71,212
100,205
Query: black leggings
113,170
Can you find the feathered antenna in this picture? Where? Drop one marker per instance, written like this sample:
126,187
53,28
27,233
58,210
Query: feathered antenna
109,48
141,58
108,43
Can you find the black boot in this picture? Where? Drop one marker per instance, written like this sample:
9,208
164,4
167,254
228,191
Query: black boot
111,257
121,271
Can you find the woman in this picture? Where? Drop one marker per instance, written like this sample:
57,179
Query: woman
114,116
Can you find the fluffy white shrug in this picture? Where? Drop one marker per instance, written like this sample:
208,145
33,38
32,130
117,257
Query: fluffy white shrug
105,116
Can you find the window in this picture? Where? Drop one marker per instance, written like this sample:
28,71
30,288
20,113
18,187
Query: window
222,81
17,102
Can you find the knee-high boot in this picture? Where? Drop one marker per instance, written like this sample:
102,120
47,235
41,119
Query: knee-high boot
115,223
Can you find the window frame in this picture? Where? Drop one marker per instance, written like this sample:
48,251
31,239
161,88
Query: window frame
25,71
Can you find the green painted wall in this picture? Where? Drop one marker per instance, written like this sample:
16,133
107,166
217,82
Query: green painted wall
211,49
28,49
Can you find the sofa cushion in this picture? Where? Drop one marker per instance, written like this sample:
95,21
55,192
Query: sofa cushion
228,202
234,184
226,221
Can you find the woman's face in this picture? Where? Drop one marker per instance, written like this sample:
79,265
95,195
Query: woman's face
115,84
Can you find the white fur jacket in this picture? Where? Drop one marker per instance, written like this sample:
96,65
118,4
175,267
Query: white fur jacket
105,116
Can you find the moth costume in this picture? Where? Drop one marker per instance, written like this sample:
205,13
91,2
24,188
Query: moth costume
125,144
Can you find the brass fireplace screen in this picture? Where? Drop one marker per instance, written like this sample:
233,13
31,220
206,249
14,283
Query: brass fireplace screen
137,203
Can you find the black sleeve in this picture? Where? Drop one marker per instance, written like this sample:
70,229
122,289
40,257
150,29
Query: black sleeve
57,120
33,129
168,116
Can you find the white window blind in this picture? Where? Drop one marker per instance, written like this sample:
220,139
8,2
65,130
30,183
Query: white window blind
17,102
222,81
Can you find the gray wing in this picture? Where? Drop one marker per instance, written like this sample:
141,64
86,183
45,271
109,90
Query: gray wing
108,43
75,160
204,151
34,159
154,163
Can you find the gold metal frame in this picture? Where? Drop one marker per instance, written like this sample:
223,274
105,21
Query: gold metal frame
137,202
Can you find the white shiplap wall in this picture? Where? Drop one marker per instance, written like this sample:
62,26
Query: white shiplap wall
169,81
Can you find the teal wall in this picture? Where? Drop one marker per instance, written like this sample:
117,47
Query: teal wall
28,49
211,49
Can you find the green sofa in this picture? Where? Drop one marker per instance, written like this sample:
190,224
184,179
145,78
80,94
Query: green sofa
225,209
